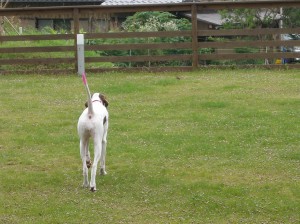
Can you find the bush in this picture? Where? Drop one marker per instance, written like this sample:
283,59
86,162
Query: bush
150,22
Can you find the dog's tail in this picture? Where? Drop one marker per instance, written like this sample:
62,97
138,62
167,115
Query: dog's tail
90,105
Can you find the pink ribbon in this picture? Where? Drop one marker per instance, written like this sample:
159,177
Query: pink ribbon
84,78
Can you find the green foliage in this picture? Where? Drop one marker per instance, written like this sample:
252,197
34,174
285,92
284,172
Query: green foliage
155,21
238,18
242,50
147,22
291,17
216,146
49,30
246,50
249,18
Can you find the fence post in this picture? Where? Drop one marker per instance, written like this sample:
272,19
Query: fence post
194,36
80,53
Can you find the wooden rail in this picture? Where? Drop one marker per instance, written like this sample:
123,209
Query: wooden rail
63,58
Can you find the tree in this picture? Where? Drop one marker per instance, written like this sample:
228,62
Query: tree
291,17
155,21
150,22
250,18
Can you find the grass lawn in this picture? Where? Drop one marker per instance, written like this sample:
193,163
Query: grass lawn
215,146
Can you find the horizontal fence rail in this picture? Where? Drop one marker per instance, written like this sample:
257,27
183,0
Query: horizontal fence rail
189,49
262,44
234,44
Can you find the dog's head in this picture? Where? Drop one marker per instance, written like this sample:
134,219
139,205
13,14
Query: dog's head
100,97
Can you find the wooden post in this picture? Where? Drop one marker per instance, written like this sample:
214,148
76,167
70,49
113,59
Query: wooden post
194,36
76,31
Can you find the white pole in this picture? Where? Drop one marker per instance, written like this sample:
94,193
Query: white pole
281,35
80,53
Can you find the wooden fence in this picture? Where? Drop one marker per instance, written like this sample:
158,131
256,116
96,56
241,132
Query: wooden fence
17,57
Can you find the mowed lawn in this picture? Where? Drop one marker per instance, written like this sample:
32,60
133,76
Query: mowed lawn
210,146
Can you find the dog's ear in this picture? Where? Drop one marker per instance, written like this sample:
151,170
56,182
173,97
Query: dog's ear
104,100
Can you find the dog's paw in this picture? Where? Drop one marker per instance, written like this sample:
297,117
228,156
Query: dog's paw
102,172
93,189
85,185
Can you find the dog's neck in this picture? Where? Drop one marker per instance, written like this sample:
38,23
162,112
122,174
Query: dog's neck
97,101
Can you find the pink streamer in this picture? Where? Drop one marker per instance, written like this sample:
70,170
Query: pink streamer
84,78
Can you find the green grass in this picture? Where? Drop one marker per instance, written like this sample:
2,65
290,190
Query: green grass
216,146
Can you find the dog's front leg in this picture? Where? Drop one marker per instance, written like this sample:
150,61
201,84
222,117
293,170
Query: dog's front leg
83,147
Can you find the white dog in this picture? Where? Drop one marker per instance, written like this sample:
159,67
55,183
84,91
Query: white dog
93,123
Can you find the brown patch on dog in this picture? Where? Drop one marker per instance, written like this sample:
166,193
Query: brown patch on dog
88,164
104,100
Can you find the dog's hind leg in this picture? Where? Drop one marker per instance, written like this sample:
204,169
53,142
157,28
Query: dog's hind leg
83,151
97,156
103,154
88,157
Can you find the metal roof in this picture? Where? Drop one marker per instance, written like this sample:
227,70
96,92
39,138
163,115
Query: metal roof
216,19
51,1
139,2
213,18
